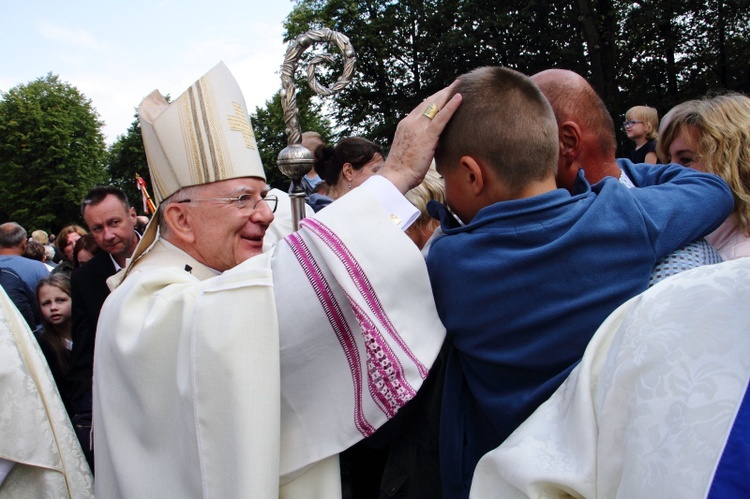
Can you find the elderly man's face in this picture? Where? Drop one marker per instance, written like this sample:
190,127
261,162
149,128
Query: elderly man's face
226,235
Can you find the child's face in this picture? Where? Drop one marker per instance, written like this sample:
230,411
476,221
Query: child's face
635,128
55,305
457,192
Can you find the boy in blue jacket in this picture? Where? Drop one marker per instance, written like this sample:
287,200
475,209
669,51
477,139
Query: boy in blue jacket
531,272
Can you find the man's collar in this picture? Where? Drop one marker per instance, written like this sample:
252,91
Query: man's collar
118,267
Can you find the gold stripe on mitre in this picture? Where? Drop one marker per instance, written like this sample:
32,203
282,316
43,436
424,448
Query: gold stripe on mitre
203,136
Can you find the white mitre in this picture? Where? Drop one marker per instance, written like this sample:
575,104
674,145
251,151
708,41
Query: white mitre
203,136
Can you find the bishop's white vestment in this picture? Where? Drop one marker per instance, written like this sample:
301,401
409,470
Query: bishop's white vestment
658,406
231,385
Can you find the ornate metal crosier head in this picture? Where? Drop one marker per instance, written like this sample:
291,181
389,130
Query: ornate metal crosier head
295,161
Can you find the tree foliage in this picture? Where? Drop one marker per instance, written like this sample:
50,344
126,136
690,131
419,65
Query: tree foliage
126,157
656,52
51,153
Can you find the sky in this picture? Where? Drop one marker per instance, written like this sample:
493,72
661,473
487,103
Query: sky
116,53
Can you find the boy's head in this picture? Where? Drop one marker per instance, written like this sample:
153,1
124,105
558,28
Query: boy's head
501,140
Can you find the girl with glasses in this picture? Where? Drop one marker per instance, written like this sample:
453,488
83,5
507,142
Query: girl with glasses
641,125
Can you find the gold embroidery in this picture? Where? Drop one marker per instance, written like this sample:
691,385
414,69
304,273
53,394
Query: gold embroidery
191,137
395,219
239,122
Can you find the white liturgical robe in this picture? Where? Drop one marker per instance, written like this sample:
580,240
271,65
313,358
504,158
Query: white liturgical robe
653,410
233,385
39,452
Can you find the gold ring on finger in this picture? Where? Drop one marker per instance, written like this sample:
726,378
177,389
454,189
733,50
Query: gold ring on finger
431,110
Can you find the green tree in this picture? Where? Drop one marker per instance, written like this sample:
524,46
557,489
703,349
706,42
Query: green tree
408,49
656,52
51,153
126,157
672,51
392,53
268,125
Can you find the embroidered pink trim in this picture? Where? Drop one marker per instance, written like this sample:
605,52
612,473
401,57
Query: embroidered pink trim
363,285
383,366
338,323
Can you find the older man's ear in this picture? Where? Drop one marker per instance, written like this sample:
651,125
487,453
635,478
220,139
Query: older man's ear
178,218
571,143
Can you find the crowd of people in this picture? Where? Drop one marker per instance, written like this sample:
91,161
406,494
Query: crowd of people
476,312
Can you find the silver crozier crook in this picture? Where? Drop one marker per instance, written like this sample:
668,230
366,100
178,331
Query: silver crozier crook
295,161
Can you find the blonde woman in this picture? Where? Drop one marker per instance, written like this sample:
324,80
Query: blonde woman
431,188
713,135
641,125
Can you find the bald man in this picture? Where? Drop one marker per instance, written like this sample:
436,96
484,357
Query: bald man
586,134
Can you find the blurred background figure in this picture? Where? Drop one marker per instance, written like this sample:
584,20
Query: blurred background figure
21,295
35,251
65,242
713,135
642,125
53,255
431,188
84,250
311,180
344,167
55,337
141,221
12,248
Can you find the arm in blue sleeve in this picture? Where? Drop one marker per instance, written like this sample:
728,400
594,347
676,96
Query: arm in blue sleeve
679,204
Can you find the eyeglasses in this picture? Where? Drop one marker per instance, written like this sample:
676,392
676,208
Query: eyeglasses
246,201
628,123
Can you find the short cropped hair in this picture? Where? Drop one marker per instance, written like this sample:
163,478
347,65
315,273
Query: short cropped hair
11,235
647,115
97,194
721,127
506,121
